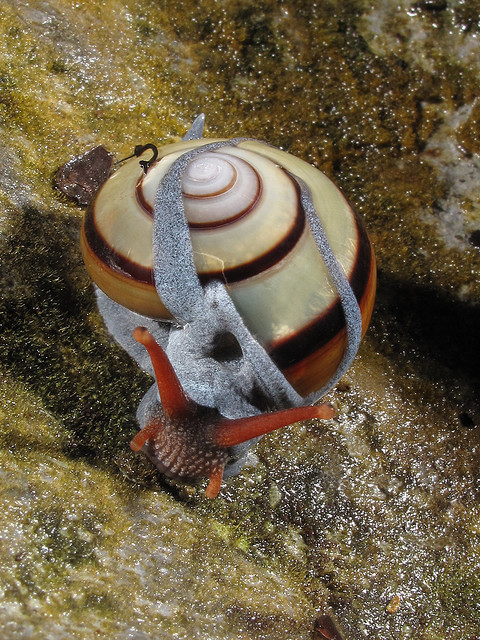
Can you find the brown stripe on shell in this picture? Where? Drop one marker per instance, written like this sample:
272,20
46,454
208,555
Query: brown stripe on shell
307,375
270,258
143,204
118,262
109,256
229,220
323,329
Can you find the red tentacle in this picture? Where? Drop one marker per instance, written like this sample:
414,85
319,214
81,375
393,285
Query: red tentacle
174,400
213,487
231,432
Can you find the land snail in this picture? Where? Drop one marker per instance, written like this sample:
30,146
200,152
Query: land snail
212,245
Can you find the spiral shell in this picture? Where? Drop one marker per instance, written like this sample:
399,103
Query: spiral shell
248,229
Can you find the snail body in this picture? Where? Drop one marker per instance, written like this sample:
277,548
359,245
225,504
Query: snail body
187,441
249,230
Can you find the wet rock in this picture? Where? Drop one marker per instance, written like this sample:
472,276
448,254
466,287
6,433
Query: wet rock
373,518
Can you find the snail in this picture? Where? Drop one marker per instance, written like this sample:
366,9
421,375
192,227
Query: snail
238,253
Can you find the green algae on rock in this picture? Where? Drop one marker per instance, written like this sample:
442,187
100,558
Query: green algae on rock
383,504
84,554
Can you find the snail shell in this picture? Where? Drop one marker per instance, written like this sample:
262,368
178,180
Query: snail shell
249,230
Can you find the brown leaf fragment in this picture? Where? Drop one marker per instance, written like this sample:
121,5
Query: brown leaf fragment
326,629
81,177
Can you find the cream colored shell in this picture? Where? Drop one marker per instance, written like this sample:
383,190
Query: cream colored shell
260,246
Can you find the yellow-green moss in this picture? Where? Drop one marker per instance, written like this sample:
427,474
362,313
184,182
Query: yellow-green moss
351,513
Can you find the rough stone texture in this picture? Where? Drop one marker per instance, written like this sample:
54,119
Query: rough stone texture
373,518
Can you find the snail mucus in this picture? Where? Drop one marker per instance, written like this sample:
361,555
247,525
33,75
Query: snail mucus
240,277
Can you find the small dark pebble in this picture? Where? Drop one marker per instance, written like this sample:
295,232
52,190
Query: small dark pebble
474,238
466,421
81,177
430,5
326,629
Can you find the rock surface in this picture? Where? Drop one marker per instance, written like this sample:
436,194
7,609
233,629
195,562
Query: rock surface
371,519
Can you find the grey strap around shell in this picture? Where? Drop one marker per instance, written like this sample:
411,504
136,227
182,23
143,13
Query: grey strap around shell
351,309
121,322
196,130
207,314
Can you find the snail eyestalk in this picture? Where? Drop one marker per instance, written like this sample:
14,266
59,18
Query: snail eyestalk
174,400
237,431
